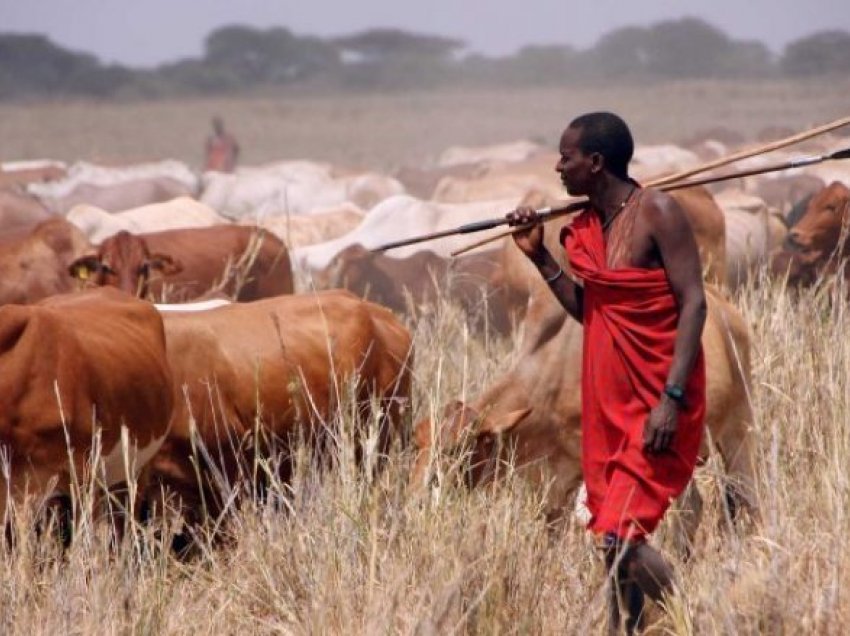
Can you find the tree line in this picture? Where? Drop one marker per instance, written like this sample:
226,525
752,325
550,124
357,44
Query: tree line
239,58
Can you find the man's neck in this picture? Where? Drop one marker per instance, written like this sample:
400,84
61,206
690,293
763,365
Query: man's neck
609,194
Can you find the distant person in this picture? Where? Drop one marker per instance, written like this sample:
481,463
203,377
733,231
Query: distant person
221,150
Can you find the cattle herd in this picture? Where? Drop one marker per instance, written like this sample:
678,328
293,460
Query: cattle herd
272,312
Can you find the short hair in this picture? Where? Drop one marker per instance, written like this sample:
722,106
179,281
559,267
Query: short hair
609,135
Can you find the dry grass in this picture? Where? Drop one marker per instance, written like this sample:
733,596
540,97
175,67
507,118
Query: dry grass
339,552
383,131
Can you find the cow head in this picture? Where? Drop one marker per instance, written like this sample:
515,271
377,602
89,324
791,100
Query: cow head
358,270
124,261
469,440
818,232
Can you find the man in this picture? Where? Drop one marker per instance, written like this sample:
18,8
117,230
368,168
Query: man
638,292
221,151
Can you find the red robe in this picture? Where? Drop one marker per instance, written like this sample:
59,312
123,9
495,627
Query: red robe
630,320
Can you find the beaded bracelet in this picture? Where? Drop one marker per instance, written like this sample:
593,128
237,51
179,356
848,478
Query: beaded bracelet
555,276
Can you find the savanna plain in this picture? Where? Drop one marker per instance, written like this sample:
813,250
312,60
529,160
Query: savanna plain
345,550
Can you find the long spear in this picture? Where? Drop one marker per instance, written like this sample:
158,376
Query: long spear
547,214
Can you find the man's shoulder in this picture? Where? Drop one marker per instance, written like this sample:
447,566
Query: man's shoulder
657,206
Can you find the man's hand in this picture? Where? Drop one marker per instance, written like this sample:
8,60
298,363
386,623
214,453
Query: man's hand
529,241
661,425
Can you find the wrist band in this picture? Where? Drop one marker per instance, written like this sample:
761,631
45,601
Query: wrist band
675,392
555,277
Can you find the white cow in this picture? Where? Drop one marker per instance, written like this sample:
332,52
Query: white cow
292,170
259,195
84,173
32,164
509,152
182,212
317,227
402,217
655,161
753,231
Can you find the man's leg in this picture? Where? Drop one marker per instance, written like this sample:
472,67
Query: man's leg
650,571
634,570
625,595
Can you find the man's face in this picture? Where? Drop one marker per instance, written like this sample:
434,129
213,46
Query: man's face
575,167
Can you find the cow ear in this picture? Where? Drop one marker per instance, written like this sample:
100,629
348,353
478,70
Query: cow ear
459,417
501,424
165,264
84,267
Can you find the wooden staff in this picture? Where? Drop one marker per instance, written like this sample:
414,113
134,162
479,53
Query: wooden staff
548,214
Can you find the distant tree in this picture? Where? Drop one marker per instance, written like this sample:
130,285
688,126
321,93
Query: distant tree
747,58
382,45
620,52
392,58
247,56
689,47
684,48
32,65
822,52
547,62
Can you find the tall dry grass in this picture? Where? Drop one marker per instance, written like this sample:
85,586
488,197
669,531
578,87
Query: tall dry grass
341,550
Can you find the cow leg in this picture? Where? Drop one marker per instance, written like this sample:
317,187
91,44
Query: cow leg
56,518
736,447
53,515
685,521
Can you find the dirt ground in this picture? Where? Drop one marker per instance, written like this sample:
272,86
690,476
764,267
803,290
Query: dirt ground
384,131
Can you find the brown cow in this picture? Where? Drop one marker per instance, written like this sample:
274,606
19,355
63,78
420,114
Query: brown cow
74,365
473,281
25,176
816,245
188,263
537,406
18,210
34,262
283,364
818,231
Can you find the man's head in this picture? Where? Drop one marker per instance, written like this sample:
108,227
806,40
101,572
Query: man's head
218,125
592,145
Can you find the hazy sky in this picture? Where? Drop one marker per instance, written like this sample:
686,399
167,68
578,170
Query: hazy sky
147,32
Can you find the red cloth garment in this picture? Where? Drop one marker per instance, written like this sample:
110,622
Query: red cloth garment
630,320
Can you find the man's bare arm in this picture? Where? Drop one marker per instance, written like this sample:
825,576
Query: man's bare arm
565,289
677,246
671,233
530,243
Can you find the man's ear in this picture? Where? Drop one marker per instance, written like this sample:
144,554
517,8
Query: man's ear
84,267
165,264
597,162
